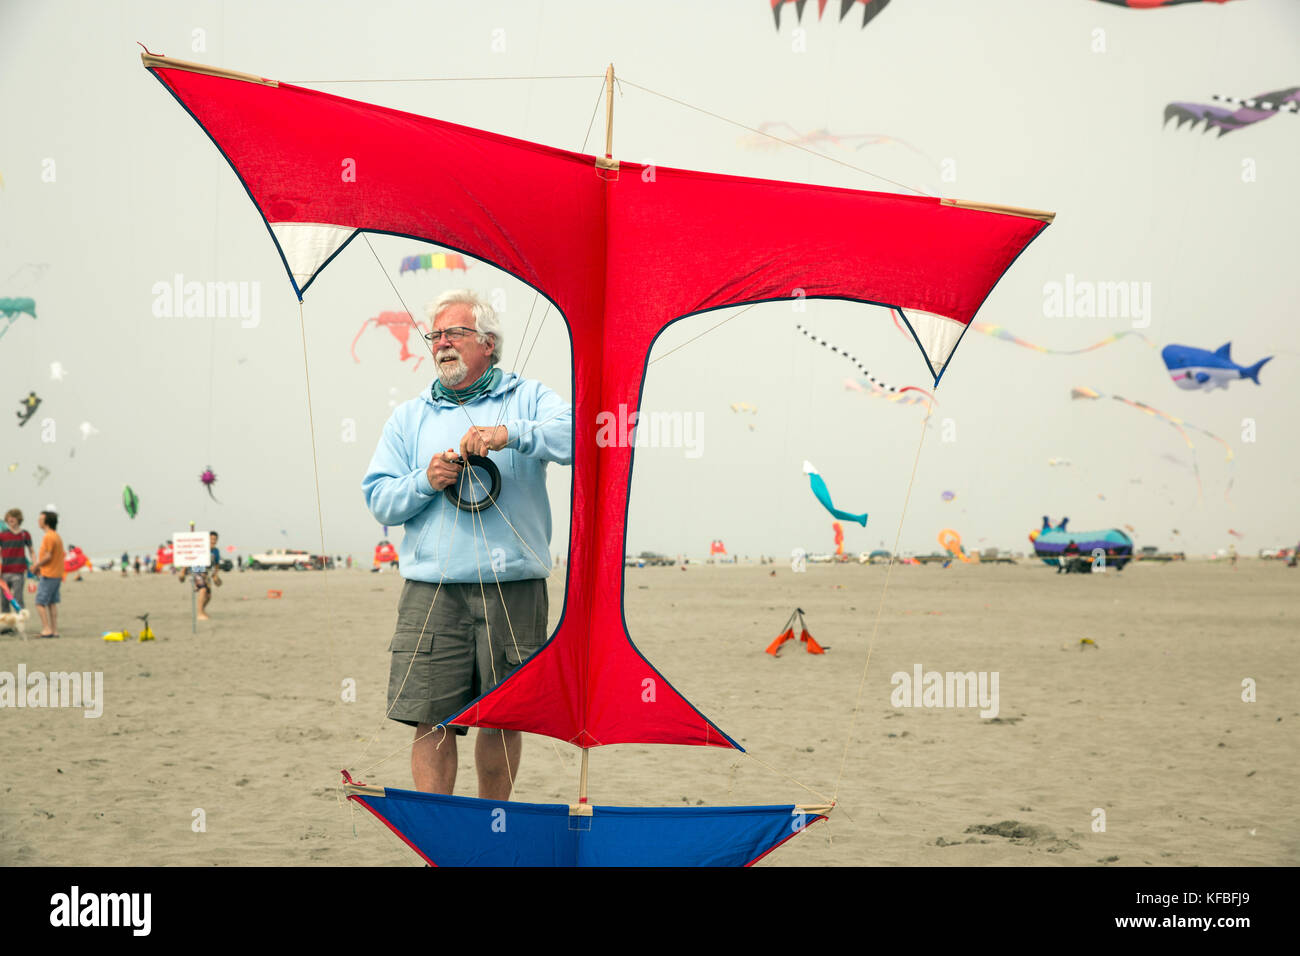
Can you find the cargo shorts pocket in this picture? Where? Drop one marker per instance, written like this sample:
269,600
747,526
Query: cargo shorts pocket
421,610
528,610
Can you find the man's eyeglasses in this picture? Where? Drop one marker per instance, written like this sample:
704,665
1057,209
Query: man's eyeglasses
454,334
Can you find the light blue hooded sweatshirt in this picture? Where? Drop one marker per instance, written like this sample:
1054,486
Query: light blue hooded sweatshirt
442,542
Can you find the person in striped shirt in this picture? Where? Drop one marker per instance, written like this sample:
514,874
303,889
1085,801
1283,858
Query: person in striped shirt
15,557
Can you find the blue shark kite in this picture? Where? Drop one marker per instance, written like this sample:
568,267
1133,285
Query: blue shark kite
1199,368
824,496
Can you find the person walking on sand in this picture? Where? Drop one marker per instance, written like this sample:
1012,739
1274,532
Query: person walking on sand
204,578
49,566
16,555
490,612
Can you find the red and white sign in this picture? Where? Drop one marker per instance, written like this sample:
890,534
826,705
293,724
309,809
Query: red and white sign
190,549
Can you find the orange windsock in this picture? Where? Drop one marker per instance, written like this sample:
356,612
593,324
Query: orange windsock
775,646
811,645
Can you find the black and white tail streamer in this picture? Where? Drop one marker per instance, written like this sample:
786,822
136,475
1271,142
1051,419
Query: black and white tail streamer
844,353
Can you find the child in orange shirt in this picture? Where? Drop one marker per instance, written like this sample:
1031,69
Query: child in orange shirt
49,565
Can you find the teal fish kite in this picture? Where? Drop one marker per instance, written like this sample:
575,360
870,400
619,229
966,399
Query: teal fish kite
824,496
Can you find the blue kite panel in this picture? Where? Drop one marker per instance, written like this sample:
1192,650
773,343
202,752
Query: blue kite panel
687,836
466,831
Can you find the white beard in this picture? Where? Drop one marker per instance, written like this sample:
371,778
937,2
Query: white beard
451,374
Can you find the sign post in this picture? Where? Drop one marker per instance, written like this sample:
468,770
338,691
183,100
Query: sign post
190,550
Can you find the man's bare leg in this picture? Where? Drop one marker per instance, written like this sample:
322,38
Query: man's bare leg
204,595
44,611
490,757
433,759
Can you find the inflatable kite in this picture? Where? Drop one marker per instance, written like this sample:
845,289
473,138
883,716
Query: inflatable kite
604,243
11,309
717,547
950,541
870,9
824,496
163,557
1193,368
1225,120
400,325
385,553
435,260
1152,4
1051,542
74,561
130,501
209,478
29,404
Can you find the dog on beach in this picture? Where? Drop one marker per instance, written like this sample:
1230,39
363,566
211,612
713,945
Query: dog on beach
15,621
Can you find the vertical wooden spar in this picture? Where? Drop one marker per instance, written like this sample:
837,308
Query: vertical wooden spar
609,111
609,162
582,808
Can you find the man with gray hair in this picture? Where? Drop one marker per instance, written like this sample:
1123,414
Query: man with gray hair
474,604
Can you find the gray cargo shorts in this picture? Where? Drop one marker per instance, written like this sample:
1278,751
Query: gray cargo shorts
442,656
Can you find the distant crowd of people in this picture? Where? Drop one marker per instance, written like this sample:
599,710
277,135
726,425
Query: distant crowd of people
40,570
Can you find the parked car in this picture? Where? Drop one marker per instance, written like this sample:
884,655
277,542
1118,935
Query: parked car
279,558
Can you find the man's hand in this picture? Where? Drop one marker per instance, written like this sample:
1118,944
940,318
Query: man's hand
442,470
482,439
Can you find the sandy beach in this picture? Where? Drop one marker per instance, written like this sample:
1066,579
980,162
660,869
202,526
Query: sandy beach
245,722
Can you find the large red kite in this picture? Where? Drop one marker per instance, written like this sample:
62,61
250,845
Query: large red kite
622,250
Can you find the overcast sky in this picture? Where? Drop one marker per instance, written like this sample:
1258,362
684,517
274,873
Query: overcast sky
110,188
